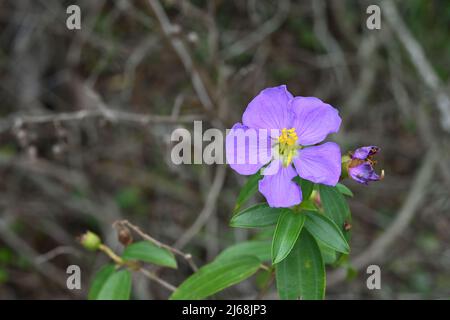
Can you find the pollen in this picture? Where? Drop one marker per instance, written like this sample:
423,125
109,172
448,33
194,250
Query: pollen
288,137
287,145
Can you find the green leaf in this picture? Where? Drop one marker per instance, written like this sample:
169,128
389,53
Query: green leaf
116,287
265,233
326,231
288,228
99,280
248,190
306,186
302,274
329,255
344,190
308,205
334,204
215,277
148,252
263,279
259,215
258,249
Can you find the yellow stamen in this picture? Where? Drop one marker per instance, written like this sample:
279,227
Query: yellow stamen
288,137
287,145
289,159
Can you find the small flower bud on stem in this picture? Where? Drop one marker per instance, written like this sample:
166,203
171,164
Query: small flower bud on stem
90,241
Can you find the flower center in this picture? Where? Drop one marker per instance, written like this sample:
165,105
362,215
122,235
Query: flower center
288,137
287,147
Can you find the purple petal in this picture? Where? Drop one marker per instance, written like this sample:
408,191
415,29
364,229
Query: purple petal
363,152
320,164
314,119
363,173
269,109
247,150
279,189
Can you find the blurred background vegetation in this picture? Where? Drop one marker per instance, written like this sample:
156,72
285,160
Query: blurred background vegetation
86,117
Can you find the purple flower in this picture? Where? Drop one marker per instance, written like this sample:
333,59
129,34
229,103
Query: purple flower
296,125
360,165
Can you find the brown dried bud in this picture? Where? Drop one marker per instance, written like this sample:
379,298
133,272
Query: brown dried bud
124,236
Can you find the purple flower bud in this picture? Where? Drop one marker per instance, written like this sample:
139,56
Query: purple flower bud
361,163
364,152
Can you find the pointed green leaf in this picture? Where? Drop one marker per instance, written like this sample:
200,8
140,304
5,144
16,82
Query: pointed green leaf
258,249
288,228
116,287
329,255
344,190
302,274
334,205
215,277
99,280
259,215
326,231
148,252
248,190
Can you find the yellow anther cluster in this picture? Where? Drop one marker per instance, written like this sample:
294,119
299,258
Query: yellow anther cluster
288,137
287,145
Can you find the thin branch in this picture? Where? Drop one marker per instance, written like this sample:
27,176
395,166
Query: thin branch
183,53
157,279
186,256
208,209
95,107
251,40
44,267
419,60
335,53
134,266
111,115
55,253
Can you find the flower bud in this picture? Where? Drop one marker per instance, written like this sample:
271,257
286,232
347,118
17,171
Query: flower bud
124,236
359,165
90,241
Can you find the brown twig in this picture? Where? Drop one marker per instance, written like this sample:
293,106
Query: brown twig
135,266
263,32
113,115
157,279
208,208
186,256
419,60
183,53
